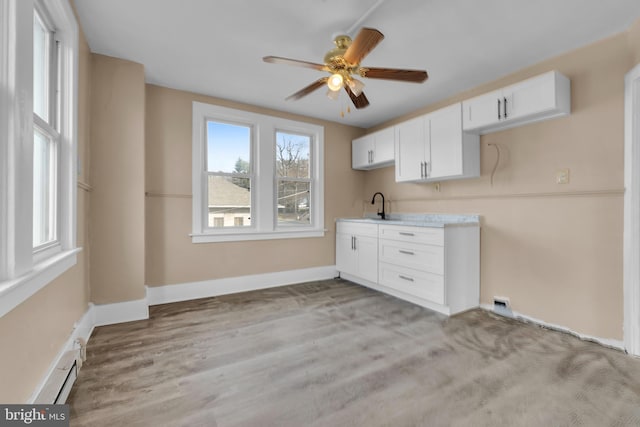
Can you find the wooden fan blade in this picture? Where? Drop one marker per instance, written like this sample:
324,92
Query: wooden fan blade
359,101
415,76
365,41
297,63
307,90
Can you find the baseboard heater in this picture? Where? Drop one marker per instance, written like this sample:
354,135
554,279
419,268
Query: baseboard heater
58,386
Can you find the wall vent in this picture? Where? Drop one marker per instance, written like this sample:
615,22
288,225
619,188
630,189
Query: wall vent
502,306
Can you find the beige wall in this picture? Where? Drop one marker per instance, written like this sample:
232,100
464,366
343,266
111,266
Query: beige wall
634,41
554,250
34,332
171,257
117,178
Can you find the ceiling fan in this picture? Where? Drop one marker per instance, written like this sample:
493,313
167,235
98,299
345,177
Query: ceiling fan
343,62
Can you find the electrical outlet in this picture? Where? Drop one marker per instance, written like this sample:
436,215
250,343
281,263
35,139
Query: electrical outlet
562,176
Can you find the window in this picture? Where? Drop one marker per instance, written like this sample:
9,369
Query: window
46,138
228,174
255,176
293,155
37,145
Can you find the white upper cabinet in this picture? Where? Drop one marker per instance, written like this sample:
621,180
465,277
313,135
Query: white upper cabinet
412,153
434,147
374,150
539,98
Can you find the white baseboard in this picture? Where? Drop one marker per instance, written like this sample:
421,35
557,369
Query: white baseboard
120,312
82,329
617,344
210,288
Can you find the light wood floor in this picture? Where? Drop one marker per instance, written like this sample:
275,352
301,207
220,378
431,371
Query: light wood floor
336,354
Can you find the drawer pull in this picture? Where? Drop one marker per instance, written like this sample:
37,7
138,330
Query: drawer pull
406,252
402,233
408,279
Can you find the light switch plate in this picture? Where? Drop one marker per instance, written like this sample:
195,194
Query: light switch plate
562,176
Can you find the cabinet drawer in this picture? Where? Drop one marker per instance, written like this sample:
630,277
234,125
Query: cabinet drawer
428,258
427,235
413,282
357,228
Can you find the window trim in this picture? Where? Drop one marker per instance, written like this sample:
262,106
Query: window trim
23,272
263,169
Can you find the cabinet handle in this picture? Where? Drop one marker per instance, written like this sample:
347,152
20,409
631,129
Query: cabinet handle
355,243
352,242
505,107
406,252
499,114
372,156
408,279
403,233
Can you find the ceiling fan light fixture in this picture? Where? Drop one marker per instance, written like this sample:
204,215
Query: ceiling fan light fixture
333,94
335,82
356,86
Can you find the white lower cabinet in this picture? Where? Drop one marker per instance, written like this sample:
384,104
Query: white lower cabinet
357,250
435,267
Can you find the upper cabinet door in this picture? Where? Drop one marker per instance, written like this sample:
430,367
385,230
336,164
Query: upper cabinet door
374,150
361,152
384,142
446,142
531,97
411,139
483,110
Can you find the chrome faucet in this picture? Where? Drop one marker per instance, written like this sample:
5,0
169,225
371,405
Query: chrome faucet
373,201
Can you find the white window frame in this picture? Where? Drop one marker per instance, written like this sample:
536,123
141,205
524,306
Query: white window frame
23,272
264,221
50,129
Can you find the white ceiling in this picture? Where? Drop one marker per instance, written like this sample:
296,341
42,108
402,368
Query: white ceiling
215,47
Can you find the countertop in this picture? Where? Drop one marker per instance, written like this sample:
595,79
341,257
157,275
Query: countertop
420,220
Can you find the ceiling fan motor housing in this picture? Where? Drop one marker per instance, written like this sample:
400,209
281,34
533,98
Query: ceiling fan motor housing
342,43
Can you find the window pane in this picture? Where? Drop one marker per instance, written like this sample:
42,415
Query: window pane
229,201
228,148
40,68
44,190
292,155
293,202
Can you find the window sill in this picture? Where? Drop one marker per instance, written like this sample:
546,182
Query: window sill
238,237
15,291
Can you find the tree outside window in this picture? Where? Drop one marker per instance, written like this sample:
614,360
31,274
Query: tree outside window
293,160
